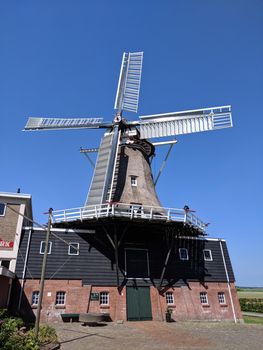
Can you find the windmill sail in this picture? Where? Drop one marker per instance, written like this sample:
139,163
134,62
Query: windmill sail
104,169
170,124
127,97
62,123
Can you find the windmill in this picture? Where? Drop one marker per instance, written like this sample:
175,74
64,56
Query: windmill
122,171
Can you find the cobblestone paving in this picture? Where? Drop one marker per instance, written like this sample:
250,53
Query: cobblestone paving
161,335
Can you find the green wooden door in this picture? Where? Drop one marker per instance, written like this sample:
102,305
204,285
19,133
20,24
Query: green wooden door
138,304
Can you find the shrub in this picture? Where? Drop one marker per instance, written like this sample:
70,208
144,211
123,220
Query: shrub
46,334
13,336
251,305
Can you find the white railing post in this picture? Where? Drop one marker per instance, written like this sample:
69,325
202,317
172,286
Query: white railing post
81,214
96,212
168,214
151,213
131,212
185,216
64,215
112,210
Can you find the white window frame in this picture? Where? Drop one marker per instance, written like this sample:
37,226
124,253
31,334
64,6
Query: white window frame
4,209
41,251
148,265
169,295
35,296
58,298
104,296
134,180
180,255
76,250
221,298
204,298
210,253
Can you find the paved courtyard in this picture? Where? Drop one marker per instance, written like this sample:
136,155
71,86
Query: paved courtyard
160,335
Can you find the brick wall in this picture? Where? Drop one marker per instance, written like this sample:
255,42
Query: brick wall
187,305
8,224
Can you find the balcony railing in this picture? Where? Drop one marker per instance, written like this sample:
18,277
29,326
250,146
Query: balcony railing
129,211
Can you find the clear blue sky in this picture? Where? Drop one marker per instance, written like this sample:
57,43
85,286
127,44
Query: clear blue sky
62,58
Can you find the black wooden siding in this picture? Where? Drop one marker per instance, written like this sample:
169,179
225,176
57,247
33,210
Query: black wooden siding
95,263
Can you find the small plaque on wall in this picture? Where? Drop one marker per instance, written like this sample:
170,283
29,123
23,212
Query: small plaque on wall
94,296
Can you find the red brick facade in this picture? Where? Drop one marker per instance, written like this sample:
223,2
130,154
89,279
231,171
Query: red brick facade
187,304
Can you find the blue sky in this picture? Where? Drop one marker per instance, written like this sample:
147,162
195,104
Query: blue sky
62,58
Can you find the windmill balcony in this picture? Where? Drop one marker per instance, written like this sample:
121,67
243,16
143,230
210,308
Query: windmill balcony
128,211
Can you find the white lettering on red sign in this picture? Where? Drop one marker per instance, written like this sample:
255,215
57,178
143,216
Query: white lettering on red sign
6,244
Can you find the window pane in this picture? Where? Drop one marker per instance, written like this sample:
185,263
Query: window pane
183,253
207,255
42,247
2,209
73,248
203,298
137,263
60,298
104,298
35,297
5,263
221,298
169,298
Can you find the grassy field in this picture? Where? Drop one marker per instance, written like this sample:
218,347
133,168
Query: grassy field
253,320
250,293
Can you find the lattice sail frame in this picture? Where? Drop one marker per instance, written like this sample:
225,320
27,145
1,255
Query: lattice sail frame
62,123
185,122
128,91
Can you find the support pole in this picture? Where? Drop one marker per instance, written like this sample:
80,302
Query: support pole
116,255
42,281
163,163
228,282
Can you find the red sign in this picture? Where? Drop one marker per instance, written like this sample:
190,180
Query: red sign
6,244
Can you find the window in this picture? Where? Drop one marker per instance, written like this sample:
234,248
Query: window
137,263
73,248
134,180
183,254
42,247
169,298
2,209
35,297
104,298
207,255
60,298
203,298
5,263
221,298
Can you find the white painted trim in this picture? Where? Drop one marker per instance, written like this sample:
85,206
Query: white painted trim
76,249
15,195
66,230
2,215
187,256
210,252
206,296
49,247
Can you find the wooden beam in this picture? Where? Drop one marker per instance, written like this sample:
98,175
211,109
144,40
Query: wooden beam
166,262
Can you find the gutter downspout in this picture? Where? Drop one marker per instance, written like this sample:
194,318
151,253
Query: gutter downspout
24,269
228,283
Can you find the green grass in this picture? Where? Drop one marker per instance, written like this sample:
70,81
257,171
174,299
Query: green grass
250,294
253,320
